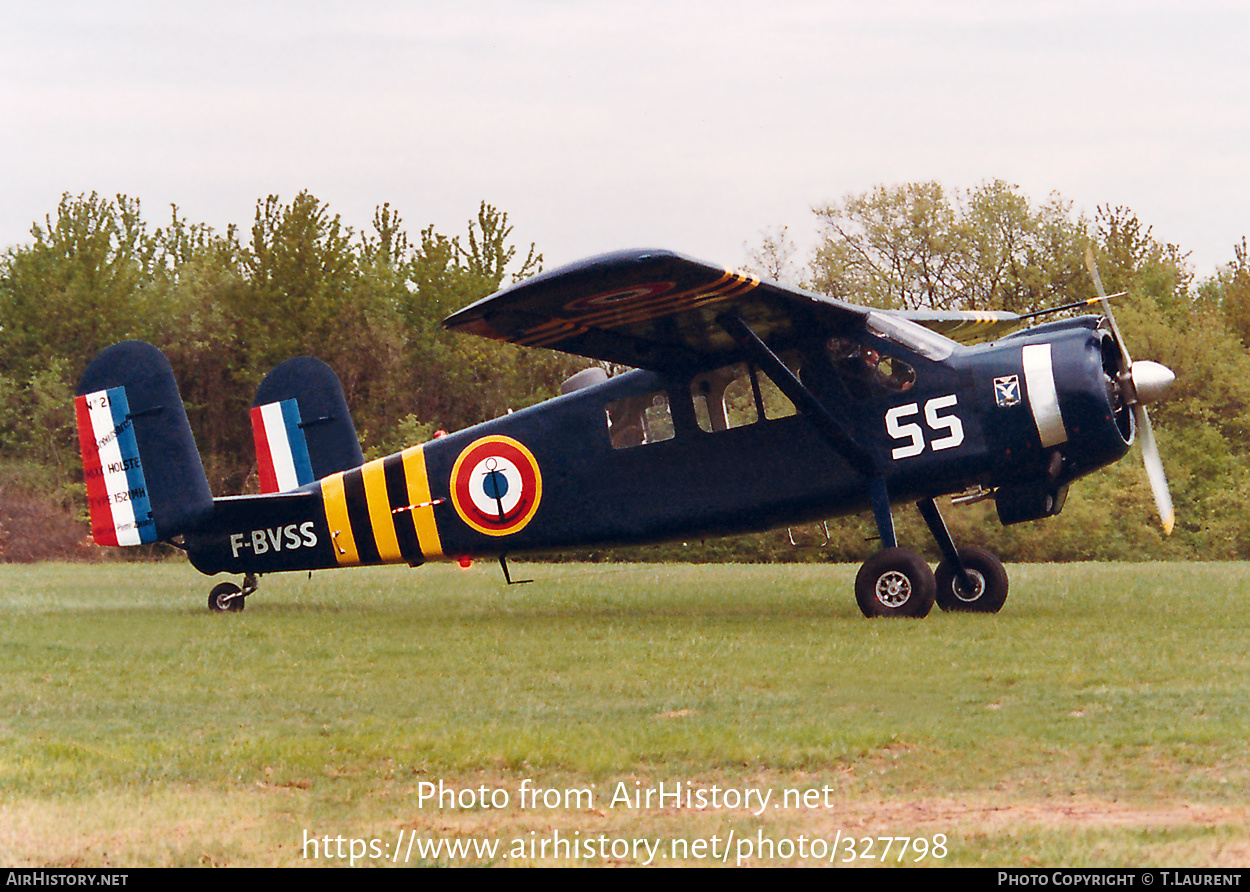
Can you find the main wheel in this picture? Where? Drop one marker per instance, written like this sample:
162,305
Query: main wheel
895,582
989,583
224,597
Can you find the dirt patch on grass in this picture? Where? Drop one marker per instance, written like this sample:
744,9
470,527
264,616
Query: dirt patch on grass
1071,814
35,529
241,828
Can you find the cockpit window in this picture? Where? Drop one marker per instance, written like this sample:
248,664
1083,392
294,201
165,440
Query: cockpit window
861,363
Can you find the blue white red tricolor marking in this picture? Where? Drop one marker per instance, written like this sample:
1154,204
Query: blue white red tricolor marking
116,491
281,451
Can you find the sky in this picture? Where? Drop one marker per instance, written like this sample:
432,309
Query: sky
693,125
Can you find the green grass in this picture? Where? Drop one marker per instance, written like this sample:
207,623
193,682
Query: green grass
1103,712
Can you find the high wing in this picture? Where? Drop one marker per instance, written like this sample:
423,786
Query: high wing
651,309
966,326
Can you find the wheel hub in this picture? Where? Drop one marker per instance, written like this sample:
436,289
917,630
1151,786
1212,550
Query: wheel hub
978,587
893,589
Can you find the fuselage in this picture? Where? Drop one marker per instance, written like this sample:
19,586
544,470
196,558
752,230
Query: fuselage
645,457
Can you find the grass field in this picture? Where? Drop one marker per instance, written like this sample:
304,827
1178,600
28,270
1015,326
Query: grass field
1100,720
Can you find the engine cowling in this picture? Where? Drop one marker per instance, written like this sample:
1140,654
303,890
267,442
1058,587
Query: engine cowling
1081,396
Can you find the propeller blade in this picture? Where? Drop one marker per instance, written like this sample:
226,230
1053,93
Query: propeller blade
1092,266
1156,379
1154,468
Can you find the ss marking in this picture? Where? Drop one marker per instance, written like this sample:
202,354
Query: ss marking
914,434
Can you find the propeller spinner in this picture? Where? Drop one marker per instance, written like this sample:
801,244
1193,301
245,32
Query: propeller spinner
1140,383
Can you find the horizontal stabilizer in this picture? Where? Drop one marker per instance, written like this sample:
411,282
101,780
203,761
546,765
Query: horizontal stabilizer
145,481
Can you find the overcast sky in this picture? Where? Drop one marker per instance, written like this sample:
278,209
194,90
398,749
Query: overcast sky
685,124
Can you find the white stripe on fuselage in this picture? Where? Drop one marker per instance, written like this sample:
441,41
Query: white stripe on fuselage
1039,381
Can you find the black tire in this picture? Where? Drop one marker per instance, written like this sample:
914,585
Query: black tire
987,572
895,582
222,598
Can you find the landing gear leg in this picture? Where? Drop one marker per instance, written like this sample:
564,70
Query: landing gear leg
227,596
969,579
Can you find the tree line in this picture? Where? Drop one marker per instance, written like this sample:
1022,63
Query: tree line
226,307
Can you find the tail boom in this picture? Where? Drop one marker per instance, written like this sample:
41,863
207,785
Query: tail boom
263,534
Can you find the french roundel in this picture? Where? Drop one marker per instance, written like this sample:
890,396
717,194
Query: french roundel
619,298
496,486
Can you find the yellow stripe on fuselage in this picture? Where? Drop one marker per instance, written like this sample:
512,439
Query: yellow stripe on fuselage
335,501
380,517
419,496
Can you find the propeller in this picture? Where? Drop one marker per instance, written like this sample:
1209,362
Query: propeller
1140,383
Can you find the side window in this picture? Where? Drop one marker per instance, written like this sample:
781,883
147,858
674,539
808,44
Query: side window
735,396
858,362
638,420
776,403
724,399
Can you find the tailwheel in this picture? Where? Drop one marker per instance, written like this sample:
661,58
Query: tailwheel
225,596
989,579
895,582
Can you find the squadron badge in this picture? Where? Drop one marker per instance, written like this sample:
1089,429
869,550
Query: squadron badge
1007,391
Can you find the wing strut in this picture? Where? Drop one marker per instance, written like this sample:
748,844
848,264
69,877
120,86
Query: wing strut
826,425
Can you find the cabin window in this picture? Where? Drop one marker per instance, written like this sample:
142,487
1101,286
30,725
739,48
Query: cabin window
736,396
638,420
776,403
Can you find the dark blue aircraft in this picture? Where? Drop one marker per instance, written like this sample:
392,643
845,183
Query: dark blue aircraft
750,406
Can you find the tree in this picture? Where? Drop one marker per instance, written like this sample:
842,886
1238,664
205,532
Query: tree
916,245
773,258
891,248
226,308
79,287
1228,292
1131,259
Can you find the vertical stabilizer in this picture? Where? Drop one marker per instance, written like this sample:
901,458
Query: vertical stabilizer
145,481
301,425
